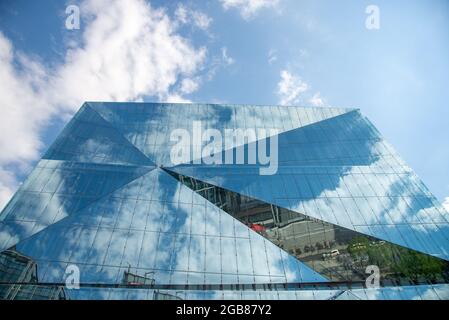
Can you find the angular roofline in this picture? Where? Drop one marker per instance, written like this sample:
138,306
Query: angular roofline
221,104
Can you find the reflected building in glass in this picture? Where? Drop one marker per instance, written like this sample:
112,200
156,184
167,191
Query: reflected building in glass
107,199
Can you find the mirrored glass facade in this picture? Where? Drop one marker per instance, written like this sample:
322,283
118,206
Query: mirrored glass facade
107,200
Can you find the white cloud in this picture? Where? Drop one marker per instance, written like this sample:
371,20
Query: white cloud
128,50
201,20
317,101
189,86
182,14
22,107
218,61
446,204
290,88
272,56
8,184
248,8
185,15
226,58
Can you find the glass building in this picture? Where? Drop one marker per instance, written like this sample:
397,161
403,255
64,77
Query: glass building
107,208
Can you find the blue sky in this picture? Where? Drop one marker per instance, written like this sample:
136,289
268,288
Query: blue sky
308,52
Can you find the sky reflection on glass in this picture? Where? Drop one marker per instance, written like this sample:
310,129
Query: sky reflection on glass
98,199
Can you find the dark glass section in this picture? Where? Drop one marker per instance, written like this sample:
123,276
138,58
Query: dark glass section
21,272
338,253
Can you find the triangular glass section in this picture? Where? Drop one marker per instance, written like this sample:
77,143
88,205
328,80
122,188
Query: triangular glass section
148,126
89,138
57,189
125,115
157,231
385,203
338,253
345,140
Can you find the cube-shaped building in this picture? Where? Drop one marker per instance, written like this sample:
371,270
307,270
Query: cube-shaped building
208,201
